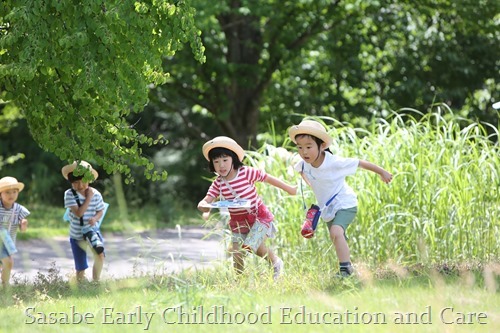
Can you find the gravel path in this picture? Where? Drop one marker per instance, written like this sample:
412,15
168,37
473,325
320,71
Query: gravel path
127,255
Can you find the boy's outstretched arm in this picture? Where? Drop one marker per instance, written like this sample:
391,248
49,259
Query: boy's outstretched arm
385,175
292,190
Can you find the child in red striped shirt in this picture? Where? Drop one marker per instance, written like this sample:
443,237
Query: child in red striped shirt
237,181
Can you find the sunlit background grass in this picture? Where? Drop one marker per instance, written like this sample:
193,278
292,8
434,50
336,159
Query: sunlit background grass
442,207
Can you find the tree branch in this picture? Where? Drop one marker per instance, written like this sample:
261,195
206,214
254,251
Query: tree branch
276,57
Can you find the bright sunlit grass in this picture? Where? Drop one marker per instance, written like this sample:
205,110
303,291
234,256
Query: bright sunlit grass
430,301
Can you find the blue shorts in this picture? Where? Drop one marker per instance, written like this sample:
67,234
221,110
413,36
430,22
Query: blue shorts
7,246
3,252
78,247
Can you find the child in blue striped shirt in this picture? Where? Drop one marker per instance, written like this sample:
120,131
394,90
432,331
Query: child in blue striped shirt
86,208
12,218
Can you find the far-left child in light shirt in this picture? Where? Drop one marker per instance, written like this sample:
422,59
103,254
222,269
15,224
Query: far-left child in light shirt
12,218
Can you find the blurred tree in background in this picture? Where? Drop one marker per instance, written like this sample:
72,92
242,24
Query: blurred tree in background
348,59
268,61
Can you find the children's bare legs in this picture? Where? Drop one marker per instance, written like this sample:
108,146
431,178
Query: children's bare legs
7,264
263,251
80,276
343,253
341,247
268,254
97,268
238,258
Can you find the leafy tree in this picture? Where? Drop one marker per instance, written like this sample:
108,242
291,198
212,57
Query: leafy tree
8,119
78,69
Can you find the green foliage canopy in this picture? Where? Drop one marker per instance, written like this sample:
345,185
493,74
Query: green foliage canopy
76,70
351,59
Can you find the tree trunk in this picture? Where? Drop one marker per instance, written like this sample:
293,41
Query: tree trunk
120,197
245,44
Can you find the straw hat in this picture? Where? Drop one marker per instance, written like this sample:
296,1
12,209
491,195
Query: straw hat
223,142
310,127
67,169
9,183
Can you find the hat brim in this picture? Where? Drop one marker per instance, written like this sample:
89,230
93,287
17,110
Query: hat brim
18,186
67,169
304,129
221,143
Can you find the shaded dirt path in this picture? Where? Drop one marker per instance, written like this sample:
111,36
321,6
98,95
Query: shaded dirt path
152,252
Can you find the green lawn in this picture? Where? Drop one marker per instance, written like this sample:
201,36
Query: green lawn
214,301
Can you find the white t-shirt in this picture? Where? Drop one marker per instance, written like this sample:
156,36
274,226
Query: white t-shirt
328,180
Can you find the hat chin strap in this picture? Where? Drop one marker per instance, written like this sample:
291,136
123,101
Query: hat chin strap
319,154
228,172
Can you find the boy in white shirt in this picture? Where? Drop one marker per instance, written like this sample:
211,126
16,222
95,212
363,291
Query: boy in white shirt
326,173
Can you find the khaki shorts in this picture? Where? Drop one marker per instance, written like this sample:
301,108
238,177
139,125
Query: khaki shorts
343,218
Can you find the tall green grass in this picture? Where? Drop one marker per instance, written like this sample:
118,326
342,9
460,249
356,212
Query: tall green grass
442,207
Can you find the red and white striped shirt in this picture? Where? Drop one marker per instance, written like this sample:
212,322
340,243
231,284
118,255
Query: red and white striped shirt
244,186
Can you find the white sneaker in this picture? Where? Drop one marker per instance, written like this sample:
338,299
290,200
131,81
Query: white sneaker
278,269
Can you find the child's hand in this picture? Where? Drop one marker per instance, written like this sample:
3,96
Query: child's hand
386,177
89,193
203,206
292,190
92,221
24,225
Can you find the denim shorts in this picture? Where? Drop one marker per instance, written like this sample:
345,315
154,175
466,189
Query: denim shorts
7,245
3,252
